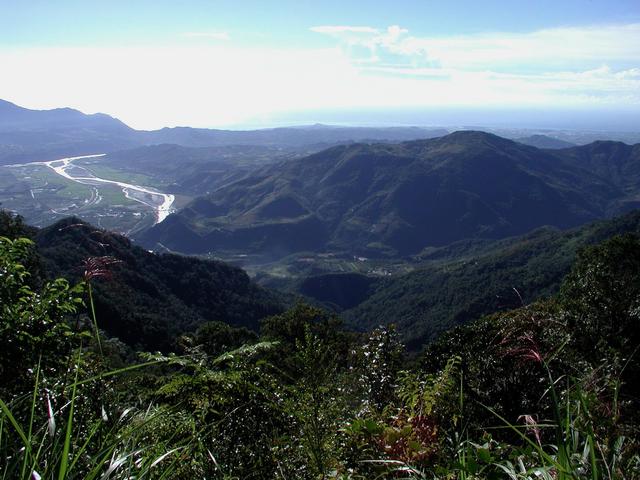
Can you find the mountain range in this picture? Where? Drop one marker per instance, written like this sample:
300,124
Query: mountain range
149,300
477,213
398,199
457,285
544,141
31,135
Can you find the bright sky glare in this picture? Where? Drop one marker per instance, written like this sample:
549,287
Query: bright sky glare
217,63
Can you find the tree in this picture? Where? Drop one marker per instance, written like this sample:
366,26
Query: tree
603,293
33,324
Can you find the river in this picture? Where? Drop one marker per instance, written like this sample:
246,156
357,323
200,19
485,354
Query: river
161,202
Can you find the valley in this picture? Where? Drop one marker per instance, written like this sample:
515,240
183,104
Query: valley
109,203
284,240
424,226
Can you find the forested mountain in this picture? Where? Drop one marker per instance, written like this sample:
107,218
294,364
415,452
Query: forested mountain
198,170
15,118
544,141
616,162
397,199
409,250
144,299
286,136
150,299
455,288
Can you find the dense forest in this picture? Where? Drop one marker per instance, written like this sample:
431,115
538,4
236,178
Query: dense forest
452,285
545,390
150,299
457,285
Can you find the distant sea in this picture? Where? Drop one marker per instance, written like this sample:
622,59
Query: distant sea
584,119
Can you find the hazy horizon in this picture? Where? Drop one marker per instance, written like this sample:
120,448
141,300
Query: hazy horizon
540,120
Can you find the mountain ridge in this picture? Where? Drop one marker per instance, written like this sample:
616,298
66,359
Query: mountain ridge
452,288
368,198
148,299
36,135
544,141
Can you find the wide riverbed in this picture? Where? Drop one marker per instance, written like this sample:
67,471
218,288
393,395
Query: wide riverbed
161,202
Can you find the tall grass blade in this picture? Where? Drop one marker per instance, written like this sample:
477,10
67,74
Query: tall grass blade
94,318
544,455
7,413
64,461
32,416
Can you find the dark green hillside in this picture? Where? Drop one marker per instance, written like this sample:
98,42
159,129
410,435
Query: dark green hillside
397,199
615,162
151,298
197,171
340,290
275,239
544,141
451,291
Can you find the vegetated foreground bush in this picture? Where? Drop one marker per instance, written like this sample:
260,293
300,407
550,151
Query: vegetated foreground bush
548,390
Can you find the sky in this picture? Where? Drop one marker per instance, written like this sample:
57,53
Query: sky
237,63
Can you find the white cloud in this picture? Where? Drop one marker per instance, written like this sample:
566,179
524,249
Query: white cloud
221,84
548,48
224,36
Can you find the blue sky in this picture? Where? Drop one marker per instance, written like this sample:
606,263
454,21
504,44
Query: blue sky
63,22
222,63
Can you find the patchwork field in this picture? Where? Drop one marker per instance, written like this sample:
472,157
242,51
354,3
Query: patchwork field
42,196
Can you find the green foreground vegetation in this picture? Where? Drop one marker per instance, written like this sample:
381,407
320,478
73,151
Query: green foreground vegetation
545,391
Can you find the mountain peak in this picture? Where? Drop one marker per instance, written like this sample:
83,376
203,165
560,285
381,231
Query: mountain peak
400,198
10,109
474,137
5,104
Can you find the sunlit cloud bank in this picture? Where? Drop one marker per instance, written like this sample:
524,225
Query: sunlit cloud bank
214,82
562,66
557,48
